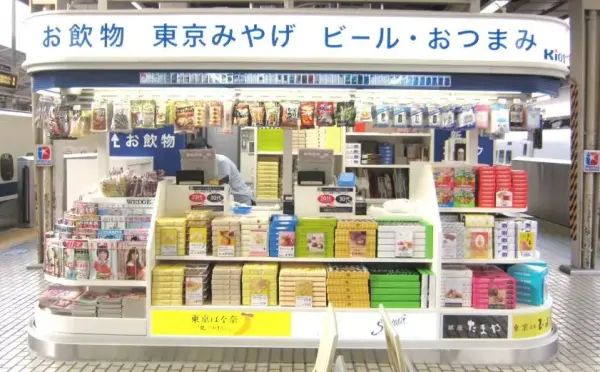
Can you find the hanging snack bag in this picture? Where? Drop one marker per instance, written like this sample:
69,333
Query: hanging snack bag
416,116
228,117
345,114
161,113
257,114
365,113
272,114
307,115
62,129
75,122
482,116
201,114
149,114
325,114
99,117
86,122
383,116
448,116
290,114
401,116
121,120
137,115
466,118
517,116
215,113
434,116
241,114
184,117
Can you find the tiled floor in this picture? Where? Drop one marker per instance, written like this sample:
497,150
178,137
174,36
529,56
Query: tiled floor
576,308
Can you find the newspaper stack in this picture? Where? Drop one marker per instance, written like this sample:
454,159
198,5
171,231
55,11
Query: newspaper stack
134,305
85,305
110,305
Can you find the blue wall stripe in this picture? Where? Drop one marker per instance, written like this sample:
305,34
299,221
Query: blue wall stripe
131,79
9,188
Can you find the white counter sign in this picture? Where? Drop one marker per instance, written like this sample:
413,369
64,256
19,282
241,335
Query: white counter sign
207,198
297,37
336,199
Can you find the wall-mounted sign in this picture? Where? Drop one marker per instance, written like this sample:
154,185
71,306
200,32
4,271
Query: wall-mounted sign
8,80
278,36
475,326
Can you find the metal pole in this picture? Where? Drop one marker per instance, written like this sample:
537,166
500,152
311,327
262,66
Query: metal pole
591,121
38,181
15,67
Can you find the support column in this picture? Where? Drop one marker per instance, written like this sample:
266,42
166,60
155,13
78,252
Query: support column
584,191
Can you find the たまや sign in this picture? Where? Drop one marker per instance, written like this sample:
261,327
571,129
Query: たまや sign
475,326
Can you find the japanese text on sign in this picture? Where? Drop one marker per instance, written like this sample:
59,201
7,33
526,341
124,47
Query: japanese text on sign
474,326
403,37
528,326
148,141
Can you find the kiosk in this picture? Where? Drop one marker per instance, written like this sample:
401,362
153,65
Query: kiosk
254,56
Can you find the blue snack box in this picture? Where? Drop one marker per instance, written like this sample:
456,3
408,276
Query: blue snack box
531,282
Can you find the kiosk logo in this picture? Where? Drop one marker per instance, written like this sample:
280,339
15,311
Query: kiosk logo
591,161
555,55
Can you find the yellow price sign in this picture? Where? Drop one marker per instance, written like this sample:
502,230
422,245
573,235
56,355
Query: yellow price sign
221,323
532,325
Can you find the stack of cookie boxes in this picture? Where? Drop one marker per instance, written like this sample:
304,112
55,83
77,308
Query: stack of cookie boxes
355,238
226,236
255,236
226,283
398,239
348,286
170,236
315,237
303,285
493,289
282,236
457,286
259,284
199,233
167,285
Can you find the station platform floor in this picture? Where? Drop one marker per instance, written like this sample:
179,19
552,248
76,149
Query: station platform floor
576,309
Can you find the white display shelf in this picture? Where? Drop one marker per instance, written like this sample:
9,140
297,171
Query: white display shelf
295,259
378,134
289,309
95,283
482,210
48,322
519,310
379,166
294,152
492,261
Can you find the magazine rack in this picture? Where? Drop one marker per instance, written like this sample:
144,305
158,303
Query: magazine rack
328,344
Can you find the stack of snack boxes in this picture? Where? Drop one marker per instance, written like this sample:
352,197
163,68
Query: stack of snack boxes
298,139
527,231
531,282
402,239
356,238
255,236
486,187
453,243
197,284
353,154
267,177
493,289
282,236
226,236
259,284
504,187
167,284
457,286
464,187
505,238
444,182
395,288
170,236
226,284
348,286
303,285
520,189
199,233
315,237
478,236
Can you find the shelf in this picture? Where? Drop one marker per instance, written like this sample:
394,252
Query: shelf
294,152
380,166
376,134
482,210
287,309
63,324
500,261
519,310
95,283
295,259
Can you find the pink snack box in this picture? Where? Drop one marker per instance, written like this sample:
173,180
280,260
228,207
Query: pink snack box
494,289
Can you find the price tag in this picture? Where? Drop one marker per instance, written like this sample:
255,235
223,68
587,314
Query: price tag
259,300
336,199
287,244
226,251
207,198
304,294
404,243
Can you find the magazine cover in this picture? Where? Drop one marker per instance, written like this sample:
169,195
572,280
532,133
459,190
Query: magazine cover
52,257
112,222
112,234
136,235
132,260
82,263
72,249
103,259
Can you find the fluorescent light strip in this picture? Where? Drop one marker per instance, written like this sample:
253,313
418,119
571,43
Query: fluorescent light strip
137,5
495,6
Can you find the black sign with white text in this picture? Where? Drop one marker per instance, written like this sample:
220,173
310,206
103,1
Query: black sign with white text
475,326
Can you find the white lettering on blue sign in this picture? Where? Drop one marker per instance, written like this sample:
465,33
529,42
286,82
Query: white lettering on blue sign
115,141
148,141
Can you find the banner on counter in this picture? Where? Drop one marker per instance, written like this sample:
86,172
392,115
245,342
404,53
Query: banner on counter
221,323
485,150
532,325
475,326
161,144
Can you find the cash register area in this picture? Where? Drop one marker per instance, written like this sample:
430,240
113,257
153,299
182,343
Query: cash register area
575,309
